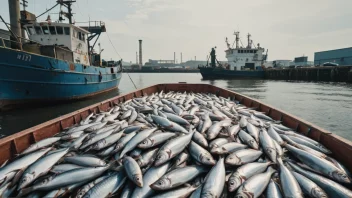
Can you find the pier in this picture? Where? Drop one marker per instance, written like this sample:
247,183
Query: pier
327,74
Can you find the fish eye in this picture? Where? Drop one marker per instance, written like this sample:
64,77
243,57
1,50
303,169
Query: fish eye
232,183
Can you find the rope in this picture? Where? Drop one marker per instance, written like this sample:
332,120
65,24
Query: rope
47,11
121,60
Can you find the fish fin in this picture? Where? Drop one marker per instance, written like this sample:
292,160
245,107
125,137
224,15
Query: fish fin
25,191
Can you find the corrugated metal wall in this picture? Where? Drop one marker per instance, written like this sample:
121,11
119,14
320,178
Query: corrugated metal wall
340,56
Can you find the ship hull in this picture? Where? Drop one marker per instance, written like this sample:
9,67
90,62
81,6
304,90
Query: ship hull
27,78
216,73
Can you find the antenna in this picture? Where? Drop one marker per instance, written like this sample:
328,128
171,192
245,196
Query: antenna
68,5
237,34
248,40
24,4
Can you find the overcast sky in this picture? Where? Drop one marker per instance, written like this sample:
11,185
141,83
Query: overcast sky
287,28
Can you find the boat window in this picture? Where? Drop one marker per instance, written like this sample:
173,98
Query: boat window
59,30
31,30
45,29
67,30
79,35
83,37
38,30
52,30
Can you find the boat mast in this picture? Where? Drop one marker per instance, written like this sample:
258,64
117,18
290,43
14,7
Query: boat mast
249,41
68,5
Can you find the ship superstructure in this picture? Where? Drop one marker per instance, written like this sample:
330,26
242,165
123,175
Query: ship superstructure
248,57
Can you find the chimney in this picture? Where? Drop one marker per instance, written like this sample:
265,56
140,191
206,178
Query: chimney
181,57
140,54
174,57
14,9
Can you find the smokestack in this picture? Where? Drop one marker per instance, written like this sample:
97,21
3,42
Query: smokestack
14,9
137,58
174,57
181,57
140,54
195,58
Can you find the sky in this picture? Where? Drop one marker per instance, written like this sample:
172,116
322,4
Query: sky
286,28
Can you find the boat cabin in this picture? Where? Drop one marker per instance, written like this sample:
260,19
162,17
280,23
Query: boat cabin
245,58
71,40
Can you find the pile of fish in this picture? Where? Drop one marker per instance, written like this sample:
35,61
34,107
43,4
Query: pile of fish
176,145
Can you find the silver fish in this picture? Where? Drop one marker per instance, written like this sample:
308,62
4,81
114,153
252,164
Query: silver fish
41,144
67,178
123,141
248,139
200,154
133,117
215,181
138,138
108,186
20,164
228,148
268,145
243,122
206,123
176,118
333,189
155,139
167,124
126,114
133,171
95,127
152,175
309,187
242,157
147,157
255,186
274,135
40,167
85,161
108,141
218,142
273,190
127,190
177,177
245,172
179,192
319,164
253,131
289,183
172,148
200,139
60,168
84,189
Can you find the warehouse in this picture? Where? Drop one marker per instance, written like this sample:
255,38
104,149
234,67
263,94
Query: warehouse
339,56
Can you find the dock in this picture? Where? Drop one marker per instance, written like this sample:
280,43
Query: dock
326,73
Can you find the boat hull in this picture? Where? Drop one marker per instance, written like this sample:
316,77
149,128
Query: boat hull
216,73
27,78
17,143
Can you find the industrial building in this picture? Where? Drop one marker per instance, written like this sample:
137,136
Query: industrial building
339,56
302,61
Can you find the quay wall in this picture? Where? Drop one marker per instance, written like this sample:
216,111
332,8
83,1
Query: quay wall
328,74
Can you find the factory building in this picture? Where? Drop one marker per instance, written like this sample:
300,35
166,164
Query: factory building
302,61
339,56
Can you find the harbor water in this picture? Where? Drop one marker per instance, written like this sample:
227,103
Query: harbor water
326,105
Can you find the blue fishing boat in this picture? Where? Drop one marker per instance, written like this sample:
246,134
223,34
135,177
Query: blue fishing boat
56,62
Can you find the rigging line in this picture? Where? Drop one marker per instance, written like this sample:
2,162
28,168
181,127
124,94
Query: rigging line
47,11
121,60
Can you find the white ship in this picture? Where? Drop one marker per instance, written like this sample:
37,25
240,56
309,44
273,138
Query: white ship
250,57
